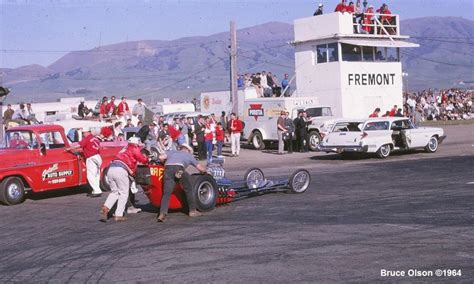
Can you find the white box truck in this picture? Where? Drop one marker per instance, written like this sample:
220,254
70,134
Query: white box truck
260,116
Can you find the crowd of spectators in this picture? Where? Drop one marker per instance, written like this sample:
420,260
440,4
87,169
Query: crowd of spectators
208,133
265,83
449,104
23,115
444,105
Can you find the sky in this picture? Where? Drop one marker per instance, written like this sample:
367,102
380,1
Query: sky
42,31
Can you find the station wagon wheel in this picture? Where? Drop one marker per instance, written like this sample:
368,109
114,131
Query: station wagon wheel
12,191
432,145
299,181
384,151
254,178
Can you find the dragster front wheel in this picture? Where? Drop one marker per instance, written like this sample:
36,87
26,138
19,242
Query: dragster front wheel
299,181
254,178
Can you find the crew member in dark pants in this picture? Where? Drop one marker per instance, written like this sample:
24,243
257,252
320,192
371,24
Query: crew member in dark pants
291,129
299,123
303,132
175,171
199,132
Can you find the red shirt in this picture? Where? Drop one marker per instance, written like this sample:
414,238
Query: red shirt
393,111
208,133
237,124
373,115
90,146
18,144
385,12
122,107
220,134
350,9
110,107
130,156
103,109
341,7
174,133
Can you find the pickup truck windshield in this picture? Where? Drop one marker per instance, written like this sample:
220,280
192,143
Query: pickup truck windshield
19,140
319,111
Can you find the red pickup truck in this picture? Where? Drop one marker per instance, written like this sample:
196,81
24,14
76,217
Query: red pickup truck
37,158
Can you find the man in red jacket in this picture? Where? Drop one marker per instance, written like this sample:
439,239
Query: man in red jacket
341,7
235,127
91,150
123,166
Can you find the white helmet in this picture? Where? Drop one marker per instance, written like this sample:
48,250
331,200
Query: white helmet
134,140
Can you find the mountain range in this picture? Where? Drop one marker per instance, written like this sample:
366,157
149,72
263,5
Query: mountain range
183,68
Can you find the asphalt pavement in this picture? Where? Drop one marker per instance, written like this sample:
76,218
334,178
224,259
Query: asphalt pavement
409,214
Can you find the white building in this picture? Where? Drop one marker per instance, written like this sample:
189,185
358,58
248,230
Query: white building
350,71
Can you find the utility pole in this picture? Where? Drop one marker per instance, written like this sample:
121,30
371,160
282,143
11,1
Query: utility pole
233,68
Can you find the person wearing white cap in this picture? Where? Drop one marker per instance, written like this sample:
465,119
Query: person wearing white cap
175,169
123,166
319,11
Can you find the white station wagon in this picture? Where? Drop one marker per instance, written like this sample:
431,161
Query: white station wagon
380,136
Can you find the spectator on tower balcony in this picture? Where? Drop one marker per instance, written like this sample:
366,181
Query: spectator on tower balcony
368,20
341,7
350,8
385,18
319,11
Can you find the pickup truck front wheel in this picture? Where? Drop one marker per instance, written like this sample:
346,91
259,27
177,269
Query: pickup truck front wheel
12,191
314,140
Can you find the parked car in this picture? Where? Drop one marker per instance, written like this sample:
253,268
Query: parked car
380,136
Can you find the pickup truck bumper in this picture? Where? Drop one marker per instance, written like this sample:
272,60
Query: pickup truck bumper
340,149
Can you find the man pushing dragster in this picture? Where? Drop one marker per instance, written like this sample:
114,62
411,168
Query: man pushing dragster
175,171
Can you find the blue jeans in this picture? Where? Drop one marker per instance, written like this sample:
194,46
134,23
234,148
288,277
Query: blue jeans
209,150
219,147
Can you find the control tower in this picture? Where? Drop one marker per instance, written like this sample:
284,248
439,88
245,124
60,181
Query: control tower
351,67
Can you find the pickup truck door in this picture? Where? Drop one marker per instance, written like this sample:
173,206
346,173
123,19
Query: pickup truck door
56,168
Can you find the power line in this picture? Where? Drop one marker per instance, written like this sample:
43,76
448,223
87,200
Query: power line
441,40
434,61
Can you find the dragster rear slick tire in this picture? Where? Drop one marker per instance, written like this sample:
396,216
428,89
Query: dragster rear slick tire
205,192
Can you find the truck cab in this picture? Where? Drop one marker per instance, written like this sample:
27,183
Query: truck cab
38,158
